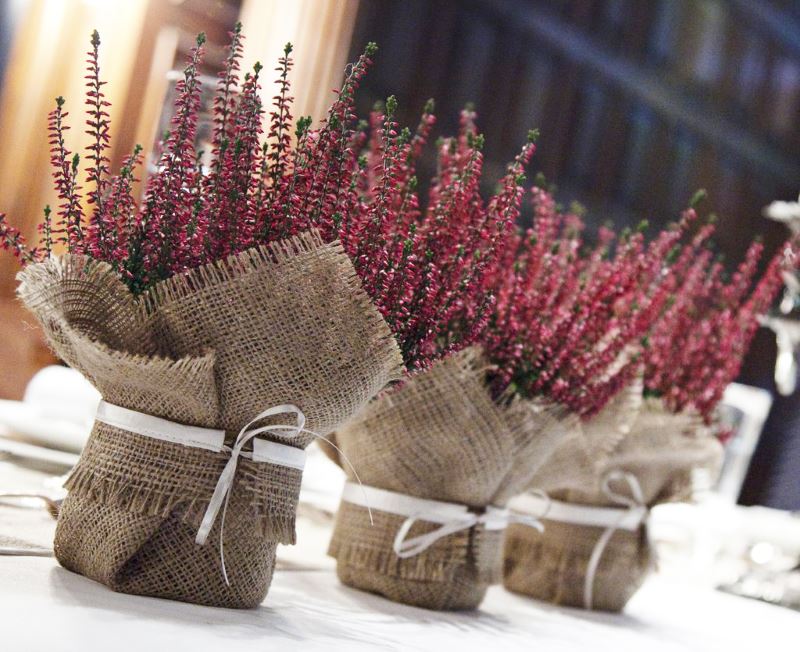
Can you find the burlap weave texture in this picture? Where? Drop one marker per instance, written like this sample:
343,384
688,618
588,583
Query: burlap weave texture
440,436
660,450
285,323
552,565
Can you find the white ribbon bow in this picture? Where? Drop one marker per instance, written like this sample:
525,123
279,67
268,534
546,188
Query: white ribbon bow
492,519
612,518
222,492
214,440
637,511
452,517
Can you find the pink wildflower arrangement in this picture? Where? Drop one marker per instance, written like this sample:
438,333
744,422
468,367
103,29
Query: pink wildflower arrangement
696,347
557,318
569,318
424,268
251,193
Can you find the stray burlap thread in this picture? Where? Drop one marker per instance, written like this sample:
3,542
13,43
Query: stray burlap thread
660,449
284,323
439,436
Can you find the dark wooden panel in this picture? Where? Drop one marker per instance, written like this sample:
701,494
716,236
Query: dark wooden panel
639,103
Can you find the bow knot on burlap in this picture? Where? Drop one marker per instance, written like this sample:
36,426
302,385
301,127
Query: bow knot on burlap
293,457
630,516
213,440
451,517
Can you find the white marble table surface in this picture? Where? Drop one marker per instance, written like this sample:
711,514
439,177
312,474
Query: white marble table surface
46,608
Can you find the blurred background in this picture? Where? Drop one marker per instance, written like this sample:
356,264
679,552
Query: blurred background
639,103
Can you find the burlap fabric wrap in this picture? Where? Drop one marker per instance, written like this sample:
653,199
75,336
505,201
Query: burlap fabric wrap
288,323
439,436
657,447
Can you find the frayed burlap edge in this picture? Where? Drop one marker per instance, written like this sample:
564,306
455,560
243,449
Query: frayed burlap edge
253,260
510,448
123,494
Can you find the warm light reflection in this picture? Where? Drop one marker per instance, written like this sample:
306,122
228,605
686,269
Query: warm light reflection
320,33
47,60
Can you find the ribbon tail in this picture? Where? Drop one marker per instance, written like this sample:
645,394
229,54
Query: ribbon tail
635,504
222,540
219,497
594,563
405,548
529,521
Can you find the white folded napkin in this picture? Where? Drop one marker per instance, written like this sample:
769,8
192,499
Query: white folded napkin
56,411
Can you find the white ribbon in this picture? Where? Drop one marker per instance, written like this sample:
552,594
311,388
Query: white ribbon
157,428
214,440
611,518
452,517
637,511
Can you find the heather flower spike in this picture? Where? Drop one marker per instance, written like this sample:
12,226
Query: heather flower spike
12,240
251,193
65,177
101,231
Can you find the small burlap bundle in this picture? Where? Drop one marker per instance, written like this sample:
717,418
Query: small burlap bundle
286,323
441,437
659,449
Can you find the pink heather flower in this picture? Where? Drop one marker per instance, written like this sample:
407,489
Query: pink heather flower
428,269
558,318
697,345
569,319
252,193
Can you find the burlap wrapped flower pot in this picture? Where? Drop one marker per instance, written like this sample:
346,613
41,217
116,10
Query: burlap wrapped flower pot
283,324
439,437
601,566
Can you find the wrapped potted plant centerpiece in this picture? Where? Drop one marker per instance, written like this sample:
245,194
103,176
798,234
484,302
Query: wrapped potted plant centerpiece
594,552
223,324
440,454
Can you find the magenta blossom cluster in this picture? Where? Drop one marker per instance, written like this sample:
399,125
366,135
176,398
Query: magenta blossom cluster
569,319
558,318
258,188
696,347
427,267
